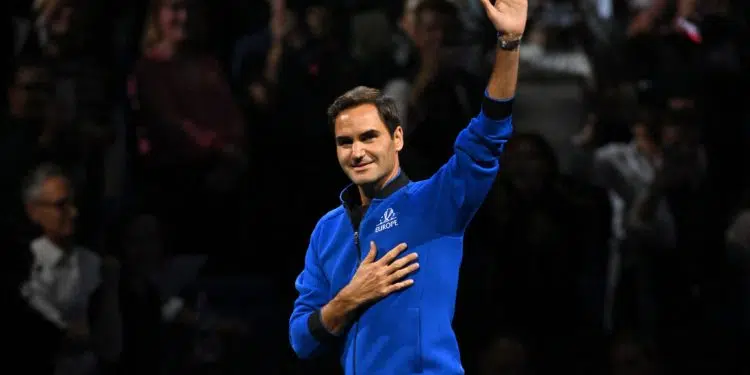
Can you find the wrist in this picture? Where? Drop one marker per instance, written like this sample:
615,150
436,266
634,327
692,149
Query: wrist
509,41
345,301
336,314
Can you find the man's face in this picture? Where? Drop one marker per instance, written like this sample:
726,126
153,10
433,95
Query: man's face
30,93
367,153
173,20
54,210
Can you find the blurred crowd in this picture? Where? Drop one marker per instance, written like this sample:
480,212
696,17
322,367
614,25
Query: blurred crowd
164,161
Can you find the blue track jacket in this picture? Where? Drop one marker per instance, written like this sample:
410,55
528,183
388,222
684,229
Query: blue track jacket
408,332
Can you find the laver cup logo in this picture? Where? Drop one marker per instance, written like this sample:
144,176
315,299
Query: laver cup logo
387,221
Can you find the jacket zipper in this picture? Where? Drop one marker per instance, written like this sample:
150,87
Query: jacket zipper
356,330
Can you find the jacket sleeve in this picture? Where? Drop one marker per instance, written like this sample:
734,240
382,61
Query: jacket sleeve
306,331
459,187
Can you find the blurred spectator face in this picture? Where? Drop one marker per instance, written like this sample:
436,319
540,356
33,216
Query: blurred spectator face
53,209
526,166
30,93
318,21
65,25
671,136
680,147
172,20
408,20
679,133
60,21
366,150
429,29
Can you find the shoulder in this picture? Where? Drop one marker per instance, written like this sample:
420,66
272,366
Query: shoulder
416,186
331,215
611,151
330,219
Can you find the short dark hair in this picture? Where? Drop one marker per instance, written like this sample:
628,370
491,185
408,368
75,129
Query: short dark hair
360,95
34,181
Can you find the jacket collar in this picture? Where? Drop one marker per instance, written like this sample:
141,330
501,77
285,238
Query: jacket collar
350,195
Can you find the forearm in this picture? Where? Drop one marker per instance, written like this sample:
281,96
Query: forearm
504,76
311,331
337,314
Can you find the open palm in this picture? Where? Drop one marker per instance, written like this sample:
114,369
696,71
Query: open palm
508,16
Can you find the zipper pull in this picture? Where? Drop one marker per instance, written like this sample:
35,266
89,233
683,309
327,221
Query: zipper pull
356,238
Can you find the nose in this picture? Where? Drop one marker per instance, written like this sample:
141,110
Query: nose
358,150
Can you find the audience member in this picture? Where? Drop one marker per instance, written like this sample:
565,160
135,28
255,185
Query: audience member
640,265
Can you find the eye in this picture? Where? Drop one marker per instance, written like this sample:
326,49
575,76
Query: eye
369,136
344,141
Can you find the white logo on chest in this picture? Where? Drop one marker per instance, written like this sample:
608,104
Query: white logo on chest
387,221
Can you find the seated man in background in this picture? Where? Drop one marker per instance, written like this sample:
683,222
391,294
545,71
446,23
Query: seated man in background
72,288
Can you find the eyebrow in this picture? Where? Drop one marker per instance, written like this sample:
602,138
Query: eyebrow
372,133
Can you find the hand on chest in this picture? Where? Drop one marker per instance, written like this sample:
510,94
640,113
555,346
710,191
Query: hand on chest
388,225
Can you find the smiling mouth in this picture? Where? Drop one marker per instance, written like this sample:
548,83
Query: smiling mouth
359,167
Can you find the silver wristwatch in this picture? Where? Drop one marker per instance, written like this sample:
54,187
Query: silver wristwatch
509,41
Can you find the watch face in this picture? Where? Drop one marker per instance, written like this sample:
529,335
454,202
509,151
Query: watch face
509,45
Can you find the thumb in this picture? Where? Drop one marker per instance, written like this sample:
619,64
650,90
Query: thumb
371,254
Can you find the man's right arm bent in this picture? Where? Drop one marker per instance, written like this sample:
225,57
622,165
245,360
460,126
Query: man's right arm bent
306,331
317,321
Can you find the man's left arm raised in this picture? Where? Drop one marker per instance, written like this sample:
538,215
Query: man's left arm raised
464,181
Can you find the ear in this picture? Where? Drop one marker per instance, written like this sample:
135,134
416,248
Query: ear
398,138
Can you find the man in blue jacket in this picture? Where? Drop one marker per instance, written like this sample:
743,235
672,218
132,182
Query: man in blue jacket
354,289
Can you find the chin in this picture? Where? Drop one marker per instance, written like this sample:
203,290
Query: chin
362,179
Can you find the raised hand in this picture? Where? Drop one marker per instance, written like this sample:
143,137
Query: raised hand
376,279
508,16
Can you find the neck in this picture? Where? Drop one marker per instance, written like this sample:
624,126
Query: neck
368,191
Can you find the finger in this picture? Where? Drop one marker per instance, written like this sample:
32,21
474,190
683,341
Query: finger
400,274
370,257
391,255
400,263
400,285
488,7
